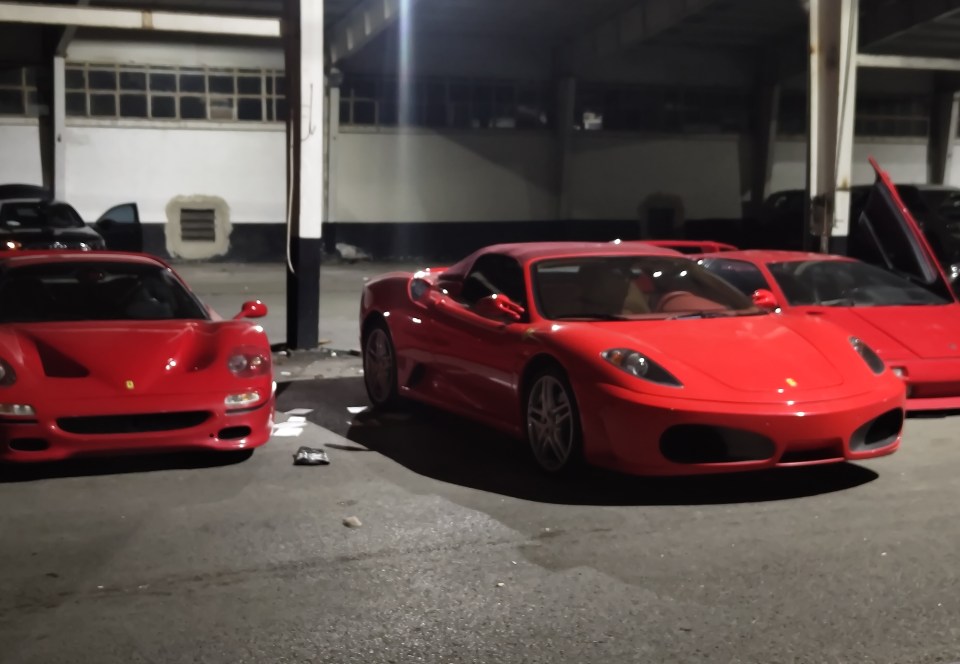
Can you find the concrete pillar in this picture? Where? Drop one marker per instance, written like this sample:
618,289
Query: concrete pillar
566,103
832,98
303,32
333,143
762,145
59,114
943,135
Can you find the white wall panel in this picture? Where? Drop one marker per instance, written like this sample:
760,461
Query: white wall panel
20,149
611,175
423,176
116,164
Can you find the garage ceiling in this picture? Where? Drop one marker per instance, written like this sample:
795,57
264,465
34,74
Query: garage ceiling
912,27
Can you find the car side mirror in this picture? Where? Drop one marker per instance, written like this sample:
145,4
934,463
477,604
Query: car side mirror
252,309
765,299
498,307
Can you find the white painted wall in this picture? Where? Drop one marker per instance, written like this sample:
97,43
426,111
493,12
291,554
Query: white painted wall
20,153
611,175
111,164
426,176
905,160
107,51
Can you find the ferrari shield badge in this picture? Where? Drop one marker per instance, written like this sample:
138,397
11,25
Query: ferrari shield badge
791,382
130,385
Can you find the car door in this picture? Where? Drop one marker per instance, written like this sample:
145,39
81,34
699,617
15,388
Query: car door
120,228
479,357
886,234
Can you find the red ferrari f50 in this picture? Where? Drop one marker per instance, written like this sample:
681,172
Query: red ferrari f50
632,357
108,353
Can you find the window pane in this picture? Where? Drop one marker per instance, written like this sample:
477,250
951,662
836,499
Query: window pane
249,85
221,84
133,80
11,102
102,80
250,109
364,112
163,82
163,107
193,108
76,79
133,106
269,85
192,83
30,74
221,108
281,85
388,114
282,112
11,77
76,103
103,105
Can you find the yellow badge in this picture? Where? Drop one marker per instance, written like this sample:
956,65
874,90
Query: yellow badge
791,382
529,332
130,385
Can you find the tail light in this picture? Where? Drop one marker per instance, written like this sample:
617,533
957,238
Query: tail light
248,361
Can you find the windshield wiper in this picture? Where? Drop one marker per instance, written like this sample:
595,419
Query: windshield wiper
704,314
594,316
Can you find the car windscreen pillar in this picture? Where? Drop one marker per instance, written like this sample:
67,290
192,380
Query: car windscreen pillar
303,33
832,100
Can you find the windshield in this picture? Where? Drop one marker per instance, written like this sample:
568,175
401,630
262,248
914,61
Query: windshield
38,214
83,291
847,284
624,287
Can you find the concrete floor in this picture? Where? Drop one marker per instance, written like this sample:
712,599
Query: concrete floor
465,554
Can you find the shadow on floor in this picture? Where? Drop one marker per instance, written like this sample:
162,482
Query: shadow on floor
91,466
448,449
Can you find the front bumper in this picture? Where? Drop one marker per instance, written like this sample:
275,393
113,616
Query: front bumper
166,424
931,384
645,435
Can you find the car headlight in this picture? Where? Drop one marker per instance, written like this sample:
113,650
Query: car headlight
871,358
7,375
248,362
639,365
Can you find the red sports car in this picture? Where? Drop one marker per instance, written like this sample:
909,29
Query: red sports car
629,357
903,307
108,353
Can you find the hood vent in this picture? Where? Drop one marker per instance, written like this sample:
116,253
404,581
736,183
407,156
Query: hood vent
58,365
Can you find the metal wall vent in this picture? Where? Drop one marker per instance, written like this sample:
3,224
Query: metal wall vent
198,225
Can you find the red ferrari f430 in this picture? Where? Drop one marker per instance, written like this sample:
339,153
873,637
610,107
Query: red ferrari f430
631,357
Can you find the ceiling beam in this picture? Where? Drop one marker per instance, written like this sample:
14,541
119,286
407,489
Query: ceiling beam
907,62
634,25
889,20
68,34
363,24
131,19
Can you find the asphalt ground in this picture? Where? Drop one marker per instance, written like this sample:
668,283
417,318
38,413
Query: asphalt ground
465,553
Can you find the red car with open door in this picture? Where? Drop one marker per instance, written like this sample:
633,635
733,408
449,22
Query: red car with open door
896,297
631,357
105,353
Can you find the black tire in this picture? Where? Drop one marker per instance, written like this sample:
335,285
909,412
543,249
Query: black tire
380,366
555,437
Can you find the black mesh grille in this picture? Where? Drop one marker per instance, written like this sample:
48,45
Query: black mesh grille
142,423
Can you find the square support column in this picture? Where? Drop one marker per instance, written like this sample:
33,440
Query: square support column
832,98
304,49
943,135
566,102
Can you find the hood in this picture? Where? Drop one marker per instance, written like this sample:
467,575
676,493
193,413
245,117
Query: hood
927,332
151,354
744,353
